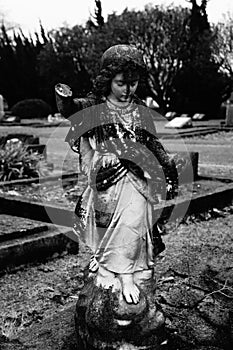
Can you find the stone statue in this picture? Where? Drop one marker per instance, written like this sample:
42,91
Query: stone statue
114,136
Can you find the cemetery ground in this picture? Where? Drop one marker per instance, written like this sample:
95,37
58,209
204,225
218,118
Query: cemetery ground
194,276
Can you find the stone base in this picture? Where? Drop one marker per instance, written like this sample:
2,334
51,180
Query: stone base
104,320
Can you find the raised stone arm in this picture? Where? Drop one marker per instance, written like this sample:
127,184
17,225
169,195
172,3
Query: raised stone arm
66,104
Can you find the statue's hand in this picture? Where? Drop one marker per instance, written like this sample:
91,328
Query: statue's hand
64,100
63,90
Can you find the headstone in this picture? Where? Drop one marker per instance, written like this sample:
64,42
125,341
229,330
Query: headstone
1,107
229,115
231,98
170,115
11,119
179,122
185,115
198,116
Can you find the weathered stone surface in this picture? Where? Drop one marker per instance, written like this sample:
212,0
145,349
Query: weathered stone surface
35,243
105,321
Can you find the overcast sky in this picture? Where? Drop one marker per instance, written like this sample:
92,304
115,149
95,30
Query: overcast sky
55,13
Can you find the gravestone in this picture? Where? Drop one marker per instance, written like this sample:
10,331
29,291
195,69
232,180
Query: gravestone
25,241
229,111
170,115
198,116
180,122
1,107
229,114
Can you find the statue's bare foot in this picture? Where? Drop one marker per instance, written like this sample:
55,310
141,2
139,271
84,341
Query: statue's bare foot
94,265
129,289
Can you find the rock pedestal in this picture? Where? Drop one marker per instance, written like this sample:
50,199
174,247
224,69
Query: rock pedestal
105,321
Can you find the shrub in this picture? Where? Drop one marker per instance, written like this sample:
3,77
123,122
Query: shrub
16,162
31,108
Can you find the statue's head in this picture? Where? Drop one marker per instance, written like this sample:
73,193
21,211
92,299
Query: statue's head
119,59
122,55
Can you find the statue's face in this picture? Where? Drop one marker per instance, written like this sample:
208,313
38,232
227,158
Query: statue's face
122,89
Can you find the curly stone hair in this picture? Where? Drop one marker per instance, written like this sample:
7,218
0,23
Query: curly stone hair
123,59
